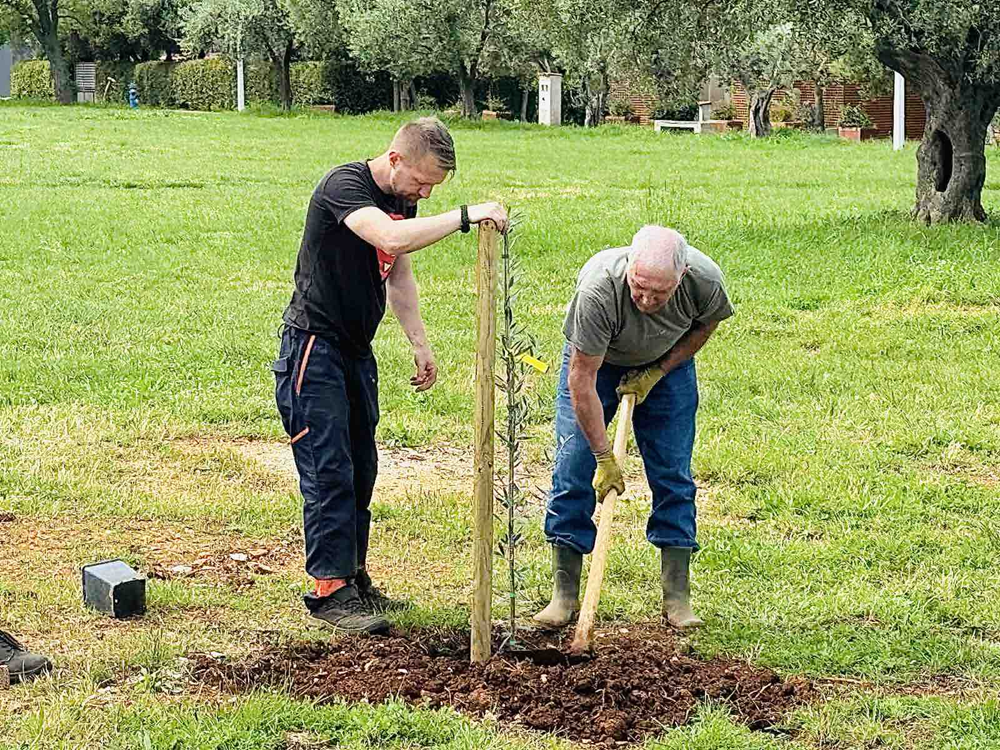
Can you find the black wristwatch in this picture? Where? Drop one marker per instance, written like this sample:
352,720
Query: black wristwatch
465,218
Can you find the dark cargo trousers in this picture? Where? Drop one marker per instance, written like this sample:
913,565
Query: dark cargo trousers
328,403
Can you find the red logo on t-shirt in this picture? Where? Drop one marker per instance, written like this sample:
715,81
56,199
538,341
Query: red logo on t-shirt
386,261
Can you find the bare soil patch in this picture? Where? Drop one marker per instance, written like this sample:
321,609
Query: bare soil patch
159,549
638,681
438,468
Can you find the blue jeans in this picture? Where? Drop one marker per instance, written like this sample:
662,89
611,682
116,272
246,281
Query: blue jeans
328,402
664,426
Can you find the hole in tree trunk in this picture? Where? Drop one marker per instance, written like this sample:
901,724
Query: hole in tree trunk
944,153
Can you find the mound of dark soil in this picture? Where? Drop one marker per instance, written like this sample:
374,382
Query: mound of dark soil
637,681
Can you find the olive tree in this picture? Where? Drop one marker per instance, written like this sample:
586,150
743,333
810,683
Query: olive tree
596,42
949,52
408,38
244,28
43,20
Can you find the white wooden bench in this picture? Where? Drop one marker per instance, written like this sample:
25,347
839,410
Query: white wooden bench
694,125
704,123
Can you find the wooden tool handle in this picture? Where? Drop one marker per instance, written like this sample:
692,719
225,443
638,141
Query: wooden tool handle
595,577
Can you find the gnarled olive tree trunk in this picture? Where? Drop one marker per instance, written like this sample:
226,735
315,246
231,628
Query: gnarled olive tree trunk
46,31
951,160
819,108
467,92
62,79
281,64
760,112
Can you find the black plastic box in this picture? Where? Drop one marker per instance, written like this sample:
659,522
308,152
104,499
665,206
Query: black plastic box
112,587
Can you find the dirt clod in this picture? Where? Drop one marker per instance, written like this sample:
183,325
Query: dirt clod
633,685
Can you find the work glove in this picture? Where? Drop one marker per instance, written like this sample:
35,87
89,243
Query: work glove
608,476
639,382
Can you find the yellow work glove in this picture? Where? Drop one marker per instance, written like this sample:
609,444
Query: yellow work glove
639,382
608,476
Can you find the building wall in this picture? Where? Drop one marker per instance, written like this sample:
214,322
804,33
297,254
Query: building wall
642,104
838,95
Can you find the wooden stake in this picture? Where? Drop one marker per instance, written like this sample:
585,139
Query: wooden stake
482,522
595,576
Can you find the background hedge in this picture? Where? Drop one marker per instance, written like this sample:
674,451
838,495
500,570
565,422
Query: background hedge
121,73
31,79
341,83
152,80
211,84
204,84
260,82
313,82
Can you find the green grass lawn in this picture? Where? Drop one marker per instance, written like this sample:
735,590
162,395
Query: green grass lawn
849,434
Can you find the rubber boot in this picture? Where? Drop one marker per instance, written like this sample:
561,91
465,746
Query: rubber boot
675,566
566,567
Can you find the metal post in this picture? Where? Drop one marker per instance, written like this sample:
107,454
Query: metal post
899,113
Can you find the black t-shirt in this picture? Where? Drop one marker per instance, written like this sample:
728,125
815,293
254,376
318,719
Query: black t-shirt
339,278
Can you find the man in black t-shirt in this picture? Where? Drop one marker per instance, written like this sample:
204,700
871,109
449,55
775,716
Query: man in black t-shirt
360,228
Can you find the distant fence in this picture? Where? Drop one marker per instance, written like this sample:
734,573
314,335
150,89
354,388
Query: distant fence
837,95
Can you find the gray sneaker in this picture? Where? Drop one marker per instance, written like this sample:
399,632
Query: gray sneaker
344,610
21,664
373,597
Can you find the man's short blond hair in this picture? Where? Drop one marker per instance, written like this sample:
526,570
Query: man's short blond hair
426,135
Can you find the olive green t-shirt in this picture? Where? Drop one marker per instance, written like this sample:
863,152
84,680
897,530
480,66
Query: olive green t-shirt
602,319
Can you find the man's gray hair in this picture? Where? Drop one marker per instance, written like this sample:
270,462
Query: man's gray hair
660,249
426,135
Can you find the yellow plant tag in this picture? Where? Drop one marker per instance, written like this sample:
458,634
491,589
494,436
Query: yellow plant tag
536,363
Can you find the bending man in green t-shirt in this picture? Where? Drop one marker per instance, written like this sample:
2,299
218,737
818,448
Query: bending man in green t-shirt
638,317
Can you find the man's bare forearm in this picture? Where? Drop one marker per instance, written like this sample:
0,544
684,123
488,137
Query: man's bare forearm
404,301
589,414
410,235
688,345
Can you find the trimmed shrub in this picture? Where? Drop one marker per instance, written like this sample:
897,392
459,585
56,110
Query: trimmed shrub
313,82
852,116
204,84
31,79
341,83
153,81
122,73
261,82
